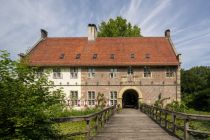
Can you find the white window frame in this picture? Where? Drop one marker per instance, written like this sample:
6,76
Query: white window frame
170,72
39,72
147,72
91,72
91,98
74,97
113,73
130,71
57,73
73,73
113,98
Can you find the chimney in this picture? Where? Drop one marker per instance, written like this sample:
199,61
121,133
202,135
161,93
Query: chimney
167,33
92,32
43,33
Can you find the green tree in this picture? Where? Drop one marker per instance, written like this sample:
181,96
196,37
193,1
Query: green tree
208,80
195,85
194,79
118,27
24,100
201,100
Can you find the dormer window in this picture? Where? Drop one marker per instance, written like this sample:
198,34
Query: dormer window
94,56
62,56
78,56
112,56
132,55
147,55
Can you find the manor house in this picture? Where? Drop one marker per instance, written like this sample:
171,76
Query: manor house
127,70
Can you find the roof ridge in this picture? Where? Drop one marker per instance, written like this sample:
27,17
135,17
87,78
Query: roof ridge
106,37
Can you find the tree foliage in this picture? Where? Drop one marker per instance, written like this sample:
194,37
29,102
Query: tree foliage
195,79
118,27
176,106
195,86
201,100
24,100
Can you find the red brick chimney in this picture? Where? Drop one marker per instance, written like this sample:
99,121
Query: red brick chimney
167,33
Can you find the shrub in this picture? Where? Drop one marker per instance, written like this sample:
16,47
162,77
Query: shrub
201,100
24,101
176,106
101,101
58,110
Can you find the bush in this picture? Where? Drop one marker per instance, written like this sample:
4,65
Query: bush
24,101
176,106
201,100
58,110
101,101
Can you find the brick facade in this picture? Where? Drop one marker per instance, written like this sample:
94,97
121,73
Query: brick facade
150,87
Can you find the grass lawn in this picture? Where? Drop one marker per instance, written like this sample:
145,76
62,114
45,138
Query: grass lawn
72,127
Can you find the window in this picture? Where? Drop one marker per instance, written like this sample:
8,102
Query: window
130,70
57,73
147,55
113,98
78,56
113,73
170,72
91,97
147,72
132,55
73,73
112,56
74,98
94,56
39,72
62,56
91,73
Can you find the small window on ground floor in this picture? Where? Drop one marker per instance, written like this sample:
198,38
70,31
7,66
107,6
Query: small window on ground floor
74,98
113,97
91,97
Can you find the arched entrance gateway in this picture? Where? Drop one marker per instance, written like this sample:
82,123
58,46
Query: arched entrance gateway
129,97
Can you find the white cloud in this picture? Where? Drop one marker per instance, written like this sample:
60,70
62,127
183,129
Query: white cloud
20,22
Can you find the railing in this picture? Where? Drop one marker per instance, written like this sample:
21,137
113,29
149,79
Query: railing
83,103
100,119
166,118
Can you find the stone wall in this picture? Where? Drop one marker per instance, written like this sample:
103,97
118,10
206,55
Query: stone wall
150,88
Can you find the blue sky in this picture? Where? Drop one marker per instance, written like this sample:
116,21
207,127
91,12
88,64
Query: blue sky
189,21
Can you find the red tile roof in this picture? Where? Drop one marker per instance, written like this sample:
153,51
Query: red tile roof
147,51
